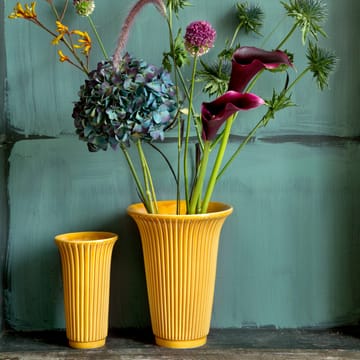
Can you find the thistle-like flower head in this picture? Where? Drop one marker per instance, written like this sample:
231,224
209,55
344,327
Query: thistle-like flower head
250,17
84,7
176,5
321,62
199,37
309,16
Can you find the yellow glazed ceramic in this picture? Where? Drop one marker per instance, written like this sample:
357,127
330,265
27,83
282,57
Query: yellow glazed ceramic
180,255
86,260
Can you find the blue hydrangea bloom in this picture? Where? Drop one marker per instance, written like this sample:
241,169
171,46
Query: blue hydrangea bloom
135,101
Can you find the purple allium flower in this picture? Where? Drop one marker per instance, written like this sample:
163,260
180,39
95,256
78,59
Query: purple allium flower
84,7
199,37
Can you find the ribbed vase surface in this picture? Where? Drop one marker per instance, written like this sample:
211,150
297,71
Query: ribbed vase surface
180,256
86,263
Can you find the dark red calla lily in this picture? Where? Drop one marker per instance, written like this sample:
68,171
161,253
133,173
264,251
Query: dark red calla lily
247,61
215,113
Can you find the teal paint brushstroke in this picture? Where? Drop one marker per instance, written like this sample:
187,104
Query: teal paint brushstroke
288,255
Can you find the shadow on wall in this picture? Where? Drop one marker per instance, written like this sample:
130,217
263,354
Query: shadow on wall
57,186
34,292
3,166
33,289
128,300
3,226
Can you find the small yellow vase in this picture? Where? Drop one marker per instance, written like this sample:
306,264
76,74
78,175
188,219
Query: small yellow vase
86,262
180,256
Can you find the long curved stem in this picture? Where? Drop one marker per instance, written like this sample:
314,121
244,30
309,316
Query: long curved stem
177,75
135,176
272,32
187,135
98,37
263,120
244,142
234,35
195,197
149,186
299,77
286,38
214,174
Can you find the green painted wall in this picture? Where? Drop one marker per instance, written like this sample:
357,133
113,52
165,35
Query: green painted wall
289,253
3,168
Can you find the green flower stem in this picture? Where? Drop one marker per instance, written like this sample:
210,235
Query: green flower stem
245,141
254,80
287,37
179,124
135,176
191,109
200,179
98,37
179,146
272,32
187,135
217,165
234,36
263,121
229,47
299,77
149,186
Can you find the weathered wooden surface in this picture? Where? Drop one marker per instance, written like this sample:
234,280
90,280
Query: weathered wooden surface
246,344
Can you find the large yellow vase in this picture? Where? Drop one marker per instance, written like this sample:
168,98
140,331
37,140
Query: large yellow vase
86,262
180,256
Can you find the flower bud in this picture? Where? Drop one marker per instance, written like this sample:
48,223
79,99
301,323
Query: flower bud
84,7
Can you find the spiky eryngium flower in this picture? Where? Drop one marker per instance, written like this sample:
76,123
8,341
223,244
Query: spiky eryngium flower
215,77
251,17
176,5
309,16
277,102
84,7
321,63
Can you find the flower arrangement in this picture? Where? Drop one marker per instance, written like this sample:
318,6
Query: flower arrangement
126,101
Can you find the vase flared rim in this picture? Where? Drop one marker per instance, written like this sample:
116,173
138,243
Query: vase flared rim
167,209
86,237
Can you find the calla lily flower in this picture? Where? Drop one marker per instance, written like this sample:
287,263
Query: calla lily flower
247,61
215,113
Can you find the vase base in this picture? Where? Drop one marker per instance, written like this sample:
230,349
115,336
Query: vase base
181,344
87,344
